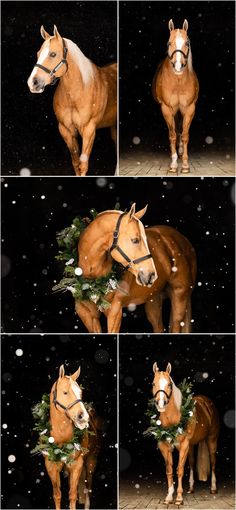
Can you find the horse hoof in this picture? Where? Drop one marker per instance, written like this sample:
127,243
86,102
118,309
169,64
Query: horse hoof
178,503
173,170
185,170
190,491
213,491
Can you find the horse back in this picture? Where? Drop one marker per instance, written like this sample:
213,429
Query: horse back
206,419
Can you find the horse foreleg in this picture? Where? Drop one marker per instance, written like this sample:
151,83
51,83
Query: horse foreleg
188,115
114,316
88,134
70,138
170,121
179,309
191,466
89,314
75,470
91,462
54,469
183,453
153,309
167,454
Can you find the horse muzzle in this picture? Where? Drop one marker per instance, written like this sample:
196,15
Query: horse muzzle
36,85
146,279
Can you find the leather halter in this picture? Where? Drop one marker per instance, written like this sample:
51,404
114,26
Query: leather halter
182,53
163,391
52,72
65,408
115,246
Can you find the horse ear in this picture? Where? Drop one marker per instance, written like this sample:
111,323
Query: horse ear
55,31
171,25
168,368
155,367
131,213
185,25
43,33
61,371
75,375
141,213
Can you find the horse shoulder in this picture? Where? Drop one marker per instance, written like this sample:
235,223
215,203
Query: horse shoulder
157,83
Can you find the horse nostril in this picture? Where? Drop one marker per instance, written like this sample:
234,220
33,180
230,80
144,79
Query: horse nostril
35,81
151,277
80,416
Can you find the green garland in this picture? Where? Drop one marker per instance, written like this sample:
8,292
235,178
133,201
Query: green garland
170,434
82,289
46,444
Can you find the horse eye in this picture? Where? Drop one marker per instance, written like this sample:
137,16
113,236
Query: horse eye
187,43
52,54
135,240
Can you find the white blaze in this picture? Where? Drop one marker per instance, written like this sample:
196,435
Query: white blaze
43,55
179,46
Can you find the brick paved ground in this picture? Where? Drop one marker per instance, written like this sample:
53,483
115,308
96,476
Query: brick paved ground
138,163
152,497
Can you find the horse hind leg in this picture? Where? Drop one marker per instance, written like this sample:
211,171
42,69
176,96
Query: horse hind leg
187,324
91,463
212,447
191,466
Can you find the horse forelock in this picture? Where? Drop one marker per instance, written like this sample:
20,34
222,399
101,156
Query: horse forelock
84,64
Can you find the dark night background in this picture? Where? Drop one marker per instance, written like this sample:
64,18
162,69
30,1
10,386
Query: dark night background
143,40
35,209
191,357
30,136
25,378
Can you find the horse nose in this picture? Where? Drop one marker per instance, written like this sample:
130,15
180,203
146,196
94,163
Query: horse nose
35,81
146,278
80,415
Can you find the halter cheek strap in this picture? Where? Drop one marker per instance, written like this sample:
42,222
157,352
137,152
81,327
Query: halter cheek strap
115,246
52,72
166,394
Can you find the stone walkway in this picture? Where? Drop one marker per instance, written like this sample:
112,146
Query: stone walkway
152,497
139,163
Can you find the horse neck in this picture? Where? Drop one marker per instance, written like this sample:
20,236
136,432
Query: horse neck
94,245
80,69
61,426
172,415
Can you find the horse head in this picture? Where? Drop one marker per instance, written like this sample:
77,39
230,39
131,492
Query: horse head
162,387
178,47
67,398
130,247
51,63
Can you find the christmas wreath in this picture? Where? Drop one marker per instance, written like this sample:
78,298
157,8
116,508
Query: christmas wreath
73,280
170,434
46,444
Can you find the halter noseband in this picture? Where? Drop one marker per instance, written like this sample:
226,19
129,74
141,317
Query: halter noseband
52,72
182,53
163,391
115,246
65,408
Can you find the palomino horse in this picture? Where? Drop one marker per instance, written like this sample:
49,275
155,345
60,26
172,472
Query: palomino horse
202,429
160,263
175,86
66,412
85,99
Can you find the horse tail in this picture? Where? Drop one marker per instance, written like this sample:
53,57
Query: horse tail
203,461
82,486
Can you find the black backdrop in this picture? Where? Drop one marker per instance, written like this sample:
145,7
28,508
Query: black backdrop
190,357
35,209
143,38
30,136
24,379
